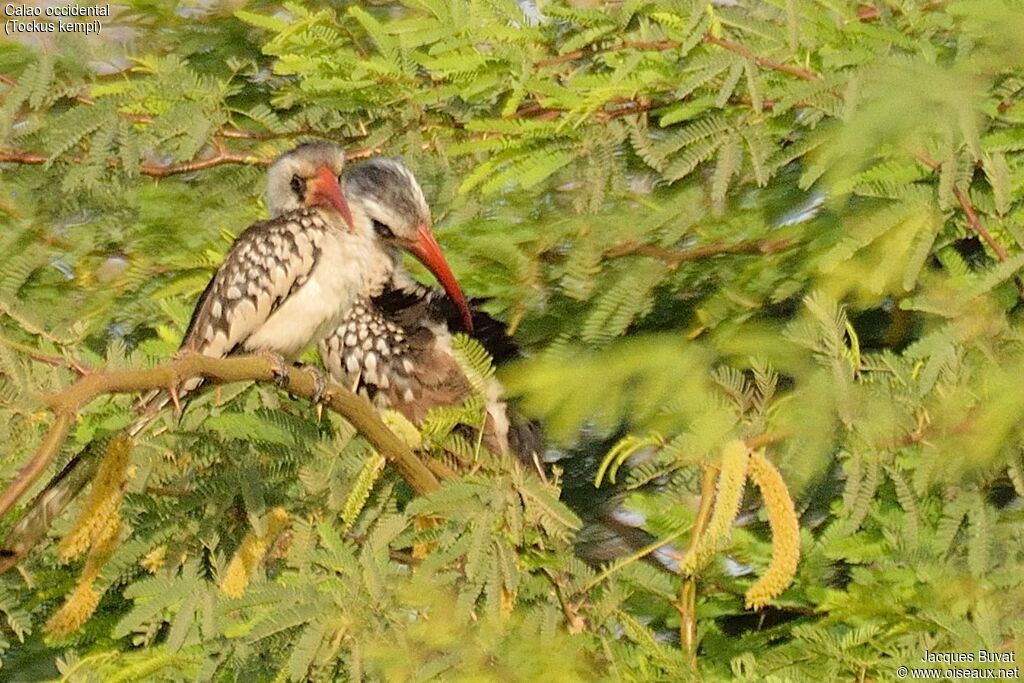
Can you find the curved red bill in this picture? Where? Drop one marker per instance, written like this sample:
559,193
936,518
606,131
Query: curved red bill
324,190
427,250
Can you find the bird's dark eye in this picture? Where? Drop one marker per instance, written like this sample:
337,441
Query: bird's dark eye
298,185
382,230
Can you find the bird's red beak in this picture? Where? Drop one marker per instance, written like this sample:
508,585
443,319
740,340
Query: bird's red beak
324,190
426,249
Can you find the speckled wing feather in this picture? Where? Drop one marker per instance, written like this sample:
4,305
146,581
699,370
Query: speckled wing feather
268,263
392,361
396,350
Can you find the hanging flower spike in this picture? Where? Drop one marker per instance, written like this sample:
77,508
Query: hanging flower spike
785,528
100,520
729,494
250,553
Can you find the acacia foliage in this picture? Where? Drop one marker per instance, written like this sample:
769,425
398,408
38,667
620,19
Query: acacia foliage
707,221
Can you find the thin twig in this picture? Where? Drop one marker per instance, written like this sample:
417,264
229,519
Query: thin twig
19,156
221,158
687,603
760,61
673,257
965,203
631,558
357,410
729,45
573,621
37,355
153,170
624,45
231,133
761,440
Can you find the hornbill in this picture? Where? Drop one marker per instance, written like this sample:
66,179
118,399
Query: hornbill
283,285
395,345
395,348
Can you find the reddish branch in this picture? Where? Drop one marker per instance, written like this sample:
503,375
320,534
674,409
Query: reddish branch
760,61
155,170
673,257
965,203
671,44
220,158
49,359
233,133
624,45
535,111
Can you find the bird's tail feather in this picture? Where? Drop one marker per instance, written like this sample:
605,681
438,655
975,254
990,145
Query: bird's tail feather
152,402
52,500
65,487
610,530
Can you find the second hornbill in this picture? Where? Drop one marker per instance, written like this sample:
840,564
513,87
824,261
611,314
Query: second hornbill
395,348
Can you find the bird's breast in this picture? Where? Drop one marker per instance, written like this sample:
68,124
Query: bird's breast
319,304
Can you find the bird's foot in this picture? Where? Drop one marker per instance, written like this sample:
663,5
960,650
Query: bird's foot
321,389
278,367
320,384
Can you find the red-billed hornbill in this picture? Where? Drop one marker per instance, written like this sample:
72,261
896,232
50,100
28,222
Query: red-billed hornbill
395,348
283,285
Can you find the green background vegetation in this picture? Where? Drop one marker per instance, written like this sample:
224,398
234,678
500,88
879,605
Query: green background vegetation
704,221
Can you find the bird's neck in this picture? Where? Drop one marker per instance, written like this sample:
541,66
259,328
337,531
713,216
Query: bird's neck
383,264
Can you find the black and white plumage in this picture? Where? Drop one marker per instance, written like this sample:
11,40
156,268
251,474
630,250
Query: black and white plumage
287,281
396,350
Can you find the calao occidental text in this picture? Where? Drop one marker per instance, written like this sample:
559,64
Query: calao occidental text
15,10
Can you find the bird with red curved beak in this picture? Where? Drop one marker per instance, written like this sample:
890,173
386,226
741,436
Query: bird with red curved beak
385,192
395,346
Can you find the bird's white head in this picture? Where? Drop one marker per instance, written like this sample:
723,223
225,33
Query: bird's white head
388,195
308,176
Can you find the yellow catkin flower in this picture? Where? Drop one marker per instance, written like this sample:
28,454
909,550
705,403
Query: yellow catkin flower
731,478
75,611
82,602
99,519
421,551
508,602
785,528
154,559
248,556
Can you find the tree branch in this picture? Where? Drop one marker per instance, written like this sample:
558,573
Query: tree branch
760,61
153,170
965,203
673,257
729,45
221,158
687,602
357,410
37,355
226,132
